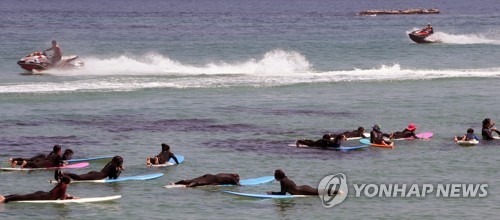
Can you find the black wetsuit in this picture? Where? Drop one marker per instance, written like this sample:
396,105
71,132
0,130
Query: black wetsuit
210,179
404,134
322,143
58,192
288,186
487,133
164,157
376,137
52,160
352,134
110,170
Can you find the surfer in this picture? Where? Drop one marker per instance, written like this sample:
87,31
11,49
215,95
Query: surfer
288,186
210,179
163,157
468,137
356,133
53,159
55,53
112,170
324,142
58,192
406,133
377,137
488,129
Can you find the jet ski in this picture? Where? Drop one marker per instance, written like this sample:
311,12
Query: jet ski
420,36
39,61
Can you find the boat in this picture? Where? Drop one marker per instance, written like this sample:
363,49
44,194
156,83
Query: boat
400,12
39,61
420,36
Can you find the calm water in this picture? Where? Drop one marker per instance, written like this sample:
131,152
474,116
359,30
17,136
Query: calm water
230,84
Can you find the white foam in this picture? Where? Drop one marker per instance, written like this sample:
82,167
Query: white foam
491,37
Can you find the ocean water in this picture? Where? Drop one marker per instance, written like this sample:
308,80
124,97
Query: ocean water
230,84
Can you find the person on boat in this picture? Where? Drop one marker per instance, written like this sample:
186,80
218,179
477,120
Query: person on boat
488,129
112,170
58,192
468,137
377,137
356,133
163,157
53,159
325,142
55,54
429,29
408,132
210,179
288,186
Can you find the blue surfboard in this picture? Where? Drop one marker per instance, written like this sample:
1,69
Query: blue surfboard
365,141
171,162
351,148
265,196
89,159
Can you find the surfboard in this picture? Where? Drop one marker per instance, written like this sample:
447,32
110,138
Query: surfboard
367,135
119,179
424,135
171,162
343,148
89,159
367,141
468,143
265,196
71,166
244,182
81,200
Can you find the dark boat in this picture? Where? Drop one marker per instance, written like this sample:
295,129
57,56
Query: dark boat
420,36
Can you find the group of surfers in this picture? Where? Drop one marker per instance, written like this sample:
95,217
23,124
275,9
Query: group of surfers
113,169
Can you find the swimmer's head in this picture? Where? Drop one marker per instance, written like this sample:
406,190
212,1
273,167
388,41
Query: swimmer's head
279,174
165,147
56,148
117,160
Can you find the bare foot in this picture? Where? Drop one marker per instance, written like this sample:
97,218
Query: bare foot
13,164
157,161
23,164
2,199
148,163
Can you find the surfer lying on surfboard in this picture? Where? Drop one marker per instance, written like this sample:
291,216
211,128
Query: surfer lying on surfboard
468,137
163,157
358,133
112,170
377,137
58,192
288,186
408,132
53,159
324,142
210,179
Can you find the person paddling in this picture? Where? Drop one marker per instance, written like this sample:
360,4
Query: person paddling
210,179
408,132
288,186
467,137
58,192
53,159
112,170
377,137
163,157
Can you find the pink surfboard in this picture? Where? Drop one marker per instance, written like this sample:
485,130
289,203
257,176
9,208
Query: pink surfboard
424,135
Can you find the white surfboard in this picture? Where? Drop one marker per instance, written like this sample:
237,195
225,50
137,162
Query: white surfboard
468,143
81,200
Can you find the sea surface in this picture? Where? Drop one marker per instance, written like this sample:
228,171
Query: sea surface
230,84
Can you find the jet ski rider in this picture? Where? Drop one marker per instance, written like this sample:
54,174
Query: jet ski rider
56,52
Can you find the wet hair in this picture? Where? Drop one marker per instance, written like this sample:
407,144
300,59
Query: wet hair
470,131
279,174
67,154
65,179
326,136
361,129
56,148
118,160
54,42
486,123
165,147
235,175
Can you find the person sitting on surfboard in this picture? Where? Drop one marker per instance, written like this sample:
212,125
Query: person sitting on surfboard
377,137
210,179
112,170
488,129
163,157
324,142
408,132
53,159
58,192
356,133
468,137
288,186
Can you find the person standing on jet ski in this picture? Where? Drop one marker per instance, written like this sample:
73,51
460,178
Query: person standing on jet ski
56,53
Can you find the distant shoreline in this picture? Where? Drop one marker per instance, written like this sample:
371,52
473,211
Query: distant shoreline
400,12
